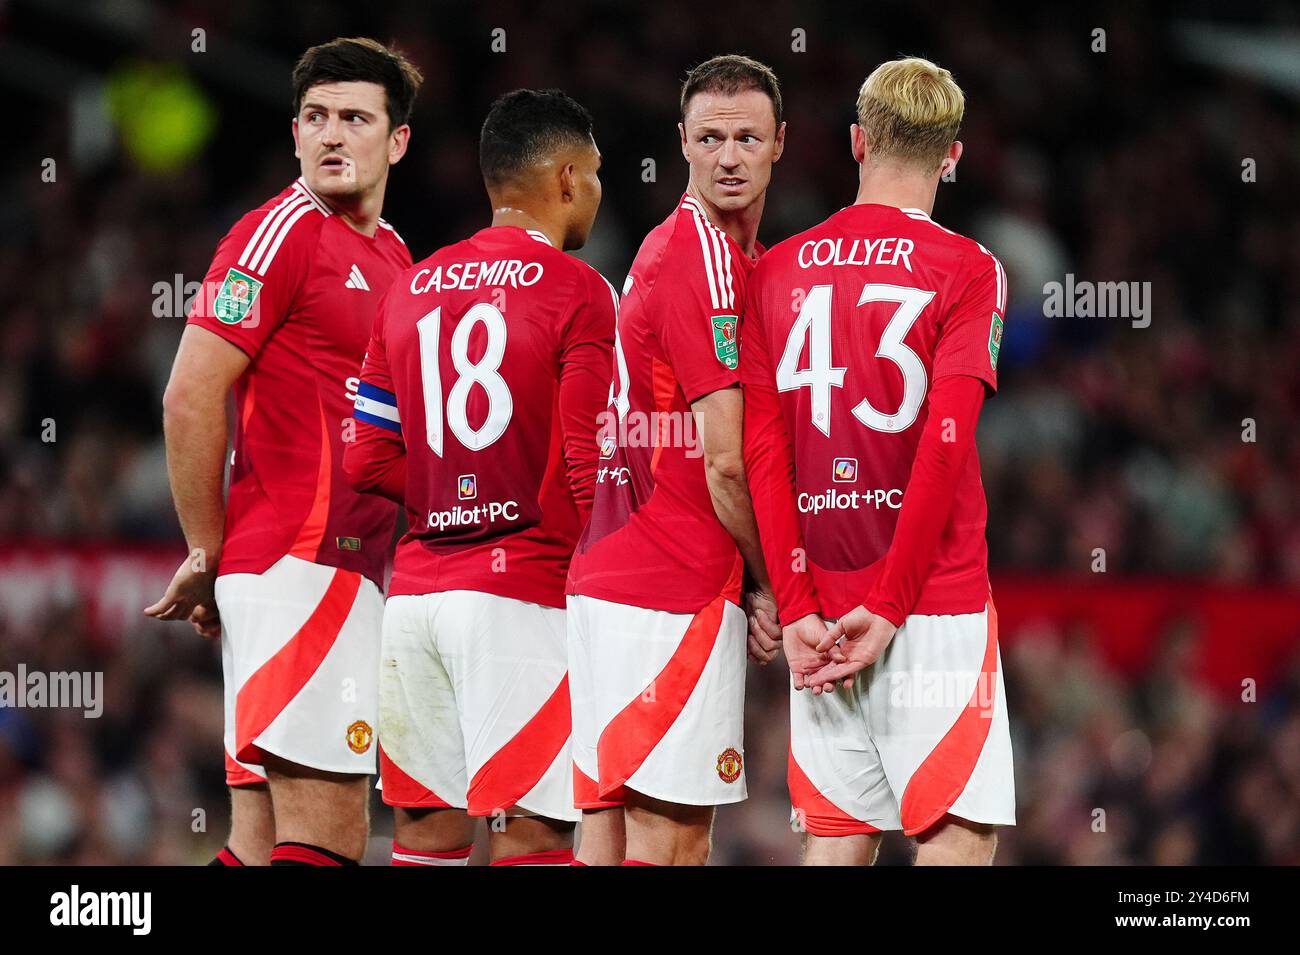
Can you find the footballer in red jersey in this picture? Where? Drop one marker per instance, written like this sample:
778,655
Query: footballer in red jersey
657,636
289,570
869,345
487,368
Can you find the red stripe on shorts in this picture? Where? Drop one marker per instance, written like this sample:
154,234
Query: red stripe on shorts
819,815
517,766
637,729
587,796
281,678
940,779
403,790
237,775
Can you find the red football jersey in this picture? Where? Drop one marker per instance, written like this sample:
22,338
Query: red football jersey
847,327
487,368
654,540
295,287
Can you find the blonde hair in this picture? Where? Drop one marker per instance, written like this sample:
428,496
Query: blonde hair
911,110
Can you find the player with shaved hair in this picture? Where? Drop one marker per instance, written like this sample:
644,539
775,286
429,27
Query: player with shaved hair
487,367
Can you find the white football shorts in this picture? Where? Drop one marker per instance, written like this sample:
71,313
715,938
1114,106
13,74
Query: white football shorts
474,705
300,658
922,734
658,702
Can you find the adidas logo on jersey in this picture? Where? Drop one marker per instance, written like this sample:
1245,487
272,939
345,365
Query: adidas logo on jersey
356,280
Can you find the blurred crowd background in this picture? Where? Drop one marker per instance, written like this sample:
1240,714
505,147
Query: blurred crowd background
1170,157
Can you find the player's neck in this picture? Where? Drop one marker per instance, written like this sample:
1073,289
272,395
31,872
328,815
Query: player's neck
887,186
361,213
741,225
504,214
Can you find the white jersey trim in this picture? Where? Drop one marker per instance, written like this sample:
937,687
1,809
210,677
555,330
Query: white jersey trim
261,227
1000,275
717,257
301,185
384,225
275,225
279,238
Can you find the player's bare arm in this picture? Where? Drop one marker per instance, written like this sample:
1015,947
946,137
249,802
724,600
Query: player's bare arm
719,423
194,424
731,139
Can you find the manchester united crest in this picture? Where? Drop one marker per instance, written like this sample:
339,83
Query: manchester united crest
360,736
730,765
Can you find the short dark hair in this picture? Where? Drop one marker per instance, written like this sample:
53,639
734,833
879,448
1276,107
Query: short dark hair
730,74
360,59
525,126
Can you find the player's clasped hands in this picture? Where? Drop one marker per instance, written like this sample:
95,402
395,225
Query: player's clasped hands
764,631
822,656
853,642
800,640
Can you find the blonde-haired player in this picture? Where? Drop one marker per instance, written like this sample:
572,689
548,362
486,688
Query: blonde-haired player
870,343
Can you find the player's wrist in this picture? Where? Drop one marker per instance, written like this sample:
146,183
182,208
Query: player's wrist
804,615
204,555
884,608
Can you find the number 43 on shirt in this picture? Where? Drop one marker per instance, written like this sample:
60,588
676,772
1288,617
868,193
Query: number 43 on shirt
813,327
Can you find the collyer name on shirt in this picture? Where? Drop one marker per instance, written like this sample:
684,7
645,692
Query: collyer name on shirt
471,275
856,252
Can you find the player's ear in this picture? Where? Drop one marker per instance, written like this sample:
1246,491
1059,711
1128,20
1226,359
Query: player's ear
780,143
681,131
568,181
398,140
950,161
858,143
297,146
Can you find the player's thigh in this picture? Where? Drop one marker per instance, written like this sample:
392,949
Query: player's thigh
541,840
858,849
427,829
602,837
937,711
421,748
667,833
320,808
252,824
956,841
313,796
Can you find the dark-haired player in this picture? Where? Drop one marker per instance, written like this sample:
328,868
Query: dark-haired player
488,365
656,629
293,564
